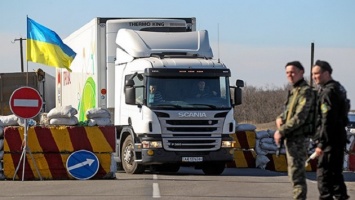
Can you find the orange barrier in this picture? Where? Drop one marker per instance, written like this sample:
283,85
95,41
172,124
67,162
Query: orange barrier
51,146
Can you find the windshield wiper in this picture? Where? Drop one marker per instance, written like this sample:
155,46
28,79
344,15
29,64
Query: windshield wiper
167,105
201,104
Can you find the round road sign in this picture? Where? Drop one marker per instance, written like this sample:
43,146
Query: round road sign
82,164
25,102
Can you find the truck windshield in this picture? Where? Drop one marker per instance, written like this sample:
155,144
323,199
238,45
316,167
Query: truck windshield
188,93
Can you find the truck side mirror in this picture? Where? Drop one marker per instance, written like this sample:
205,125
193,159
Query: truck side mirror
239,83
237,96
130,93
238,92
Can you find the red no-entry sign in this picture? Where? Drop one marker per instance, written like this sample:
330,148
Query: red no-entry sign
25,102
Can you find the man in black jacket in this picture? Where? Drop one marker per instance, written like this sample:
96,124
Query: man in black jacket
330,137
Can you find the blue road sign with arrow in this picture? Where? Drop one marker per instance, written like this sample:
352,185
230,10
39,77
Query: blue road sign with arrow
82,164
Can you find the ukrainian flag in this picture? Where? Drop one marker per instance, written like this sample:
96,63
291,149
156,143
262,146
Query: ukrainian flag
45,46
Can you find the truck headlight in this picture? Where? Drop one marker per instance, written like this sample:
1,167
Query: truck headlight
228,144
352,130
151,144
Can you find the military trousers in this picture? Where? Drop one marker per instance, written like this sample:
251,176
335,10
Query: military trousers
296,153
330,175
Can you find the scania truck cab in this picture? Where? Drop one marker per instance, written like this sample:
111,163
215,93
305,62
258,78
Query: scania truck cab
181,126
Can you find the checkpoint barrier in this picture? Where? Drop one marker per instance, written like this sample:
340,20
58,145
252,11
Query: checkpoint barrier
2,177
245,155
280,163
245,139
245,136
51,146
243,159
1,157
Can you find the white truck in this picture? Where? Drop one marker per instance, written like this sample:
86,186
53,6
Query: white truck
119,59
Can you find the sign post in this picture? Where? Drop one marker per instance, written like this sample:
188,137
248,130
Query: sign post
26,103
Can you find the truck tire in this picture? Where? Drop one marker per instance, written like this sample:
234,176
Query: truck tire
213,168
128,157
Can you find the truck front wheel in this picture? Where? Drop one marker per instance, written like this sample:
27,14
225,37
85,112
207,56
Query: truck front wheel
128,158
213,168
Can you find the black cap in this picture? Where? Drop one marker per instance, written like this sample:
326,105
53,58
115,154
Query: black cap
296,64
324,65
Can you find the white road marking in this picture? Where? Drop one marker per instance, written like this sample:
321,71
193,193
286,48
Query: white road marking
156,191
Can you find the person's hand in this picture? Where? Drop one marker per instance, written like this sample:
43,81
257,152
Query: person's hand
277,137
278,122
319,151
214,93
198,95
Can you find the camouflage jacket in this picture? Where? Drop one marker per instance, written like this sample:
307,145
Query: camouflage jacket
331,117
294,127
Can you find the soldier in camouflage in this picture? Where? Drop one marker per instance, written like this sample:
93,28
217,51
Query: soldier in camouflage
291,127
330,137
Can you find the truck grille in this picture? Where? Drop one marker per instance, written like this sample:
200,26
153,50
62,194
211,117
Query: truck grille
191,129
191,134
191,122
192,144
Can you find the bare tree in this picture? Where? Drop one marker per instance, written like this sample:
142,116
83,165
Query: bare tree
261,105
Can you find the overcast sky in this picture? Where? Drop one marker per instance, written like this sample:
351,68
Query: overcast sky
255,38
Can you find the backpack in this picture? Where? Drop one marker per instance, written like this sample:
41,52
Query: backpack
312,119
347,110
344,107
344,110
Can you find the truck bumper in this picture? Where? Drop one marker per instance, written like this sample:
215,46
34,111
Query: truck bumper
160,156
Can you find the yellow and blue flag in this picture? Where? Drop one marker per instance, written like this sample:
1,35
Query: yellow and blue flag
45,46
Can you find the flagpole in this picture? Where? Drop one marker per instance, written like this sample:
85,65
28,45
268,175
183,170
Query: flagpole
26,49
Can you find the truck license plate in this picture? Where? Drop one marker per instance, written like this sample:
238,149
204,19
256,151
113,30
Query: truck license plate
192,159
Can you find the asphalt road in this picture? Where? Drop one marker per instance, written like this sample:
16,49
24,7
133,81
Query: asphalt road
187,184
